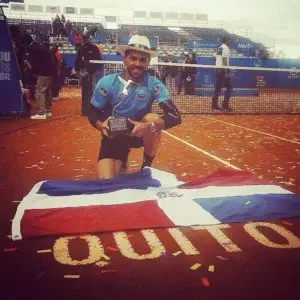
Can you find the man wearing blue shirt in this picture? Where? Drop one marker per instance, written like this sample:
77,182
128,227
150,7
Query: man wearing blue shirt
130,94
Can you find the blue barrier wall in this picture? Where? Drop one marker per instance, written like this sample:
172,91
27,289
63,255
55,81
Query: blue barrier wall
10,96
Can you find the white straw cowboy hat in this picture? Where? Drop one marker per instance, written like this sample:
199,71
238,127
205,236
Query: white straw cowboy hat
138,43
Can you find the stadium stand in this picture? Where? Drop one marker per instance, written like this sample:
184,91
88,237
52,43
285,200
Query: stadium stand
169,41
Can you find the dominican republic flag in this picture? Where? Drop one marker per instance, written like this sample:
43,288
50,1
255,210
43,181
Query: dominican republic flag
149,199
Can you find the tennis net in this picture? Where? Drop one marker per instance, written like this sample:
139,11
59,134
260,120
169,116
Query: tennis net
253,90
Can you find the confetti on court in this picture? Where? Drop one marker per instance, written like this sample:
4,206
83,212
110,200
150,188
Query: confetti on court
286,223
10,237
223,258
16,201
72,276
112,249
205,281
177,253
9,249
105,257
248,202
44,251
287,183
211,268
108,271
195,266
102,263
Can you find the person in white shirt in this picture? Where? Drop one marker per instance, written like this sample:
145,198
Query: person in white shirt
222,76
153,65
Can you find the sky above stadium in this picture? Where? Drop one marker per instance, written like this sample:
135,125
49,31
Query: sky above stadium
275,22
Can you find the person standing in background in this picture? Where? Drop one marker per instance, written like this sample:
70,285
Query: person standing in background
168,74
181,71
57,84
222,76
41,62
88,51
153,64
78,41
100,47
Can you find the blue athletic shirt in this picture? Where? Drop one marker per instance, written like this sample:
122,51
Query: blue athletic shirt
108,93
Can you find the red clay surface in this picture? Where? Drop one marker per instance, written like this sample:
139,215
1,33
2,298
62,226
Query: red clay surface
239,261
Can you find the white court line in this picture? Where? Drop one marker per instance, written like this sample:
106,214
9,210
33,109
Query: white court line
257,131
202,151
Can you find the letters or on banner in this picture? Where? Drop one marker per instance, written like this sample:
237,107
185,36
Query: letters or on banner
9,75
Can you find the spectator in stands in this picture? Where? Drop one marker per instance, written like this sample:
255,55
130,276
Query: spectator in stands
85,30
58,82
137,90
78,41
51,39
42,64
56,26
68,28
222,76
52,30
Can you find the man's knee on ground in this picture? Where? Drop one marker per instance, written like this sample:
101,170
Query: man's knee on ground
106,169
150,117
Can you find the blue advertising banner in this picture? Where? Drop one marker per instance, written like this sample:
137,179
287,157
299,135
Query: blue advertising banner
10,97
203,44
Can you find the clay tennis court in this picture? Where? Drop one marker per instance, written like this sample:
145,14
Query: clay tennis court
257,260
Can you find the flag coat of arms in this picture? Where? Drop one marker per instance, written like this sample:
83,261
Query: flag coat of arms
149,199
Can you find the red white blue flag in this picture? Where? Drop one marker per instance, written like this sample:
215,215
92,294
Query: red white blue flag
149,199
